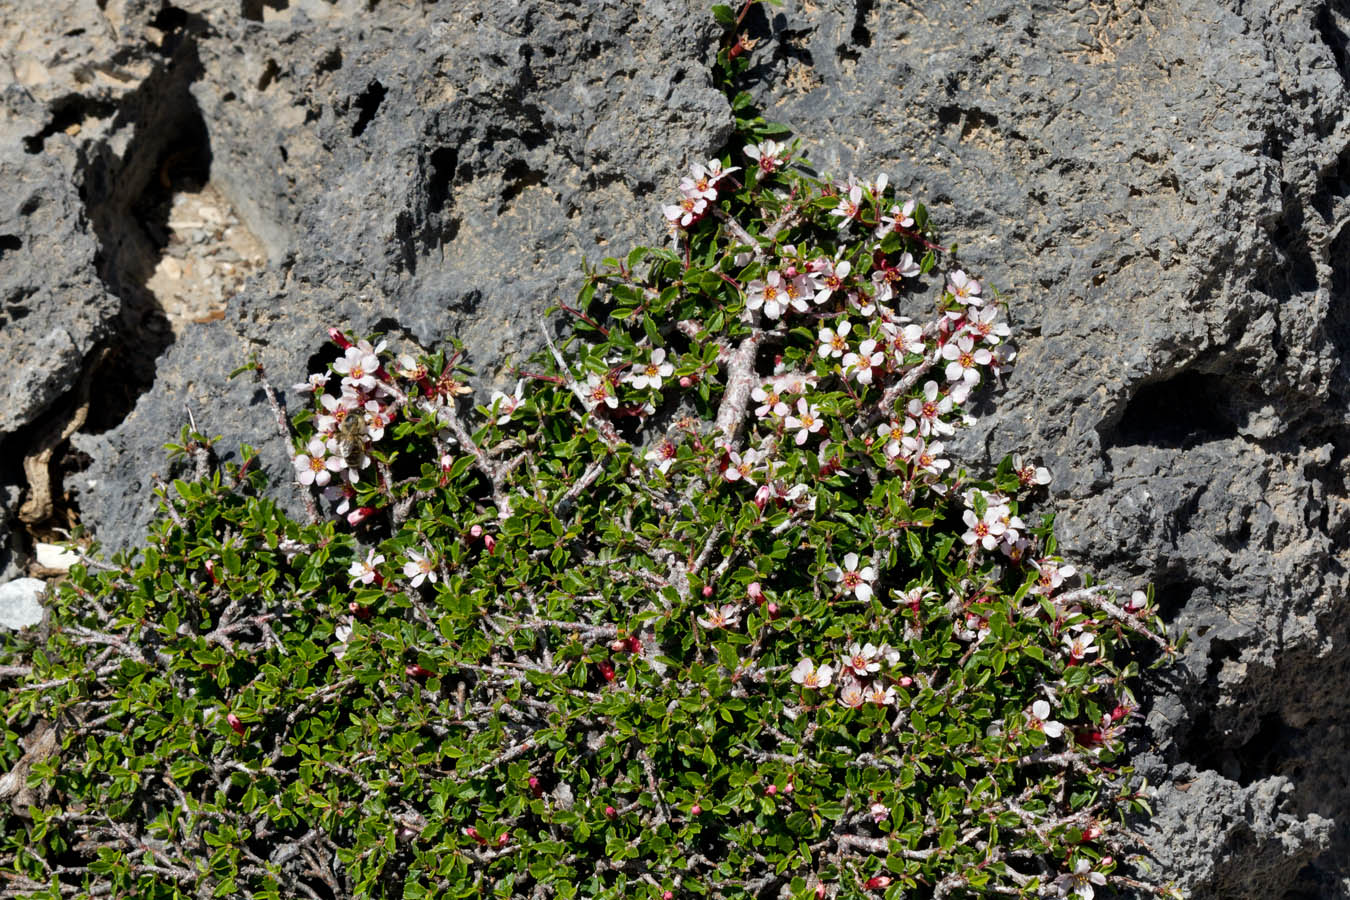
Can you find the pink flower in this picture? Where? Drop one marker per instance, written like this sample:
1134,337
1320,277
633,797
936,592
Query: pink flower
358,368
850,205
831,278
1029,473
898,219
982,325
663,454
741,466
598,391
363,571
770,400
769,154
903,340
861,660
685,213
851,695
985,530
1079,646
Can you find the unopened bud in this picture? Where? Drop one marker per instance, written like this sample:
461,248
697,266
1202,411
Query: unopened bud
357,516
906,681
610,812
877,882
535,788
503,839
771,790
606,670
667,895
820,890
361,612
788,788
755,591
772,609
633,645
416,671
1108,860
707,590
235,723
695,810
339,338
490,543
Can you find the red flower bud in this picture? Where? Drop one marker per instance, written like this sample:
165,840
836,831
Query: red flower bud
1092,832
877,882
237,725
474,835
1088,738
357,516
771,790
667,895
361,612
695,810
1119,713
606,670
339,338
503,839
416,671
610,812
707,590
535,788
211,570
490,543
773,610
633,645
820,890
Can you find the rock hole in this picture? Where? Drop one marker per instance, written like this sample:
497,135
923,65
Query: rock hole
1333,25
68,115
367,105
517,177
269,74
9,243
1183,411
1338,315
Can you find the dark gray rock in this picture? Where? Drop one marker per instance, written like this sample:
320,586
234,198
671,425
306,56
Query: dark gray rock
1158,189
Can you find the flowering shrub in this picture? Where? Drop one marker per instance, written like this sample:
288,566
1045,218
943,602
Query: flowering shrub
702,608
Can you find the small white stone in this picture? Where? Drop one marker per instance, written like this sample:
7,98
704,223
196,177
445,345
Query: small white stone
19,606
54,556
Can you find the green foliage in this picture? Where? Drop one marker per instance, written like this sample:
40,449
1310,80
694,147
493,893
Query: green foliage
563,644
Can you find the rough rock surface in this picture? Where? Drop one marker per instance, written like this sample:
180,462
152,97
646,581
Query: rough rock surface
1159,188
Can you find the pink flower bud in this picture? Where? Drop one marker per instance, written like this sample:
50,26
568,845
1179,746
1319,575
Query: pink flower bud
788,788
235,723
535,788
1108,860
877,883
707,590
610,812
490,543
357,516
416,671
1092,832
617,644
755,591
820,890
476,531
685,381
667,895
695,810
773,610
771,790
906,681
503,839
339,338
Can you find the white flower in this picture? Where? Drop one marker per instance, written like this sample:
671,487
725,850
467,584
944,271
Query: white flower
686,212
834,341
503,406
316,466
768,294
649,374
769,154
879,811
962,359
926,457
363,571
1138,600
598,391
1079,646
742,466
418,568
890,432
1040,720
986,529
771,402
724,616
928,412
851,695
854,579
1080,881
358,368
862,363
663,454
313,385
342,631
807,675
903,340
861,660
806,422
964,288
1030,474
850,205
981,324
1052,575
881,695
898,219
831,279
